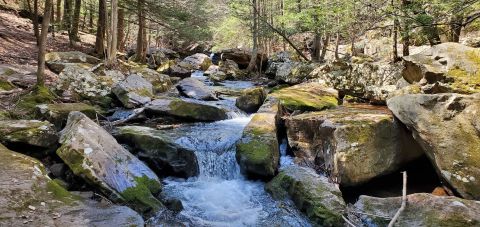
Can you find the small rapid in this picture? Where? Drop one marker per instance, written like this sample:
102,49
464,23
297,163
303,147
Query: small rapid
220,195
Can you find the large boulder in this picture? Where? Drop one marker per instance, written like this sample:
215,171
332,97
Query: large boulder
294,72
30,197
162,154
57,113
370,81
134,91
186,109
447,127
57,61
444,68
93,154
160,82
251,99
353,144
81,84
258,151
198,61
307,97
242,57
421,210
313,194
194,88
28,132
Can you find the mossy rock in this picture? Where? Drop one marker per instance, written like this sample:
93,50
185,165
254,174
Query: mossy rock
307,97
5,85
183,109
28,132
313,194
258,150
251,99
39,95
57,113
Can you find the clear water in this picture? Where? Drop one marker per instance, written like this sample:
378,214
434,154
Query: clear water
220,196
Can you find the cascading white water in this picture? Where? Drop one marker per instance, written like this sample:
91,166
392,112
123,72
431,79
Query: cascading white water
220,196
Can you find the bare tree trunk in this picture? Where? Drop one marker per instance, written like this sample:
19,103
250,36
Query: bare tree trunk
101,27
456,28
73,34
52,18
352,45
90,17
337,43
253,59
59,13
35,21
325,43
317,46
67,15
112,39
406,29
121,29
141,36
43,43
395,40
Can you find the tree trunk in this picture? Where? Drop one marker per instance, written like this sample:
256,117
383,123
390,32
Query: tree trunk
101,27
317,48
67,15
456,28
58,20
141,35
406,28
352,45
121,28
112,39
253,59
52,18
35,21
90,17
325,43
43,43
337,43
73,34
395,40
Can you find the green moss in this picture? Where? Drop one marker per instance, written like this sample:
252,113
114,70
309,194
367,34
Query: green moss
305,100
196,111
60,193
256,151
464,82
140,196
474,56
5,85
39,95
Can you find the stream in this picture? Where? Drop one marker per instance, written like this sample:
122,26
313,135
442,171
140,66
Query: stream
220,195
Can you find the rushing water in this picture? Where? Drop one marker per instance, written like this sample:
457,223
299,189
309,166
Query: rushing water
220,196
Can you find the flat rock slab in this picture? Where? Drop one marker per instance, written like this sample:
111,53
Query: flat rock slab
194,88
57,113
185,109
134,91
28,132
307,97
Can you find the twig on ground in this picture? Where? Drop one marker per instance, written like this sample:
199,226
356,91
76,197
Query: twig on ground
348,221
404,201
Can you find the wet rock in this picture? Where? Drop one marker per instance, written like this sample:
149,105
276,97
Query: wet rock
105,164
294,72
28,132
242,57
258,150
183,109
194,88
251,99
447,127
81,84
421,210
180,70
57,61
307,97
231,69
445,68
217,76
159,151
134,91
160,82
30,197
352,144
57,113
313,194
198,61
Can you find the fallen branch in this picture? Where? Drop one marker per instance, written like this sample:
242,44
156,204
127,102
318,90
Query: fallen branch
404,201
348,221
136,113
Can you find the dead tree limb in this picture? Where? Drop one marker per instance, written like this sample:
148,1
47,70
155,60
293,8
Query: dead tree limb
404,201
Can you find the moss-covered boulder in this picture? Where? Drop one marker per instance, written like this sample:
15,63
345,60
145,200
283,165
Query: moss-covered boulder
160,82
293,72
445,68
196,89
307,97
57,113
447,127
5,85
57,61
422,210
28,132
198,61
27,102
160,152
134,91
313,194
353,144
186,109
251,99
94,155
30,197
258,150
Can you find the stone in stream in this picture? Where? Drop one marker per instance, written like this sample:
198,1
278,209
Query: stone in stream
184,109
28,132
194,88
444,68
258,151
134,91
58,61
422,210
447,127
251,99
353,144
95,155
57,113
160,82
313,195
198,61
307,97
159,151
30,197
293,72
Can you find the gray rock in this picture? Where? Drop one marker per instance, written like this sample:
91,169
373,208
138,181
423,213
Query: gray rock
447,127
193,88
57,113
57,61
251,99
28,132
134,91
94,155
183,109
